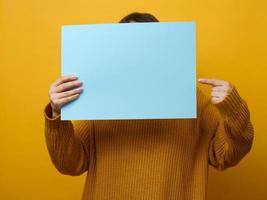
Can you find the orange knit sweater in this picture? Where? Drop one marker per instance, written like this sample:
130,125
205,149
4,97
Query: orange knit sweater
156,159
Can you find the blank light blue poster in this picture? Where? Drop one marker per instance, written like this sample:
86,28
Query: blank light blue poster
131,70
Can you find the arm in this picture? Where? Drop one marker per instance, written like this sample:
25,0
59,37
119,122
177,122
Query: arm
231,130
67,143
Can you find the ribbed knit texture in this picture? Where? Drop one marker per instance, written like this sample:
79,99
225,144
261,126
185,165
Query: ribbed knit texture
152,159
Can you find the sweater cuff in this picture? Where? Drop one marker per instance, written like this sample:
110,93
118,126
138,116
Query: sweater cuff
234,108
52,124
48,113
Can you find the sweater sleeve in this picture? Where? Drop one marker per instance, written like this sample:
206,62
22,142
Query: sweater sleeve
67,143
231,130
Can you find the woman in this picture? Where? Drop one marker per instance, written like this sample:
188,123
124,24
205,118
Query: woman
149,159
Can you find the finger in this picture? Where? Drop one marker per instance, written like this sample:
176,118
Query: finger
212,82
68,85
64,79
219,88
65,100
216,94
69,93
215,100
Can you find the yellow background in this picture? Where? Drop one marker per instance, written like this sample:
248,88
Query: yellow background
231,45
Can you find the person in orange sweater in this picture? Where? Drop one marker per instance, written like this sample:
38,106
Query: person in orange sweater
157,159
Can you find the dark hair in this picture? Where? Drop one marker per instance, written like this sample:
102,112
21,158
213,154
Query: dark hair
138,17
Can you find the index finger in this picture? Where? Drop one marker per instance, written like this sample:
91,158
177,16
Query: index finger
212,82
64,79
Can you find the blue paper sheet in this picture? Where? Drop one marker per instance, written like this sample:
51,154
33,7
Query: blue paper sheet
131,70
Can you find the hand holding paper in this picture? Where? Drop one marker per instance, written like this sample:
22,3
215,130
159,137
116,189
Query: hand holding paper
62,91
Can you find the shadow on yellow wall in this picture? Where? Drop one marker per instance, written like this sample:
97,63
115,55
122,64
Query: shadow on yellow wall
231,45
